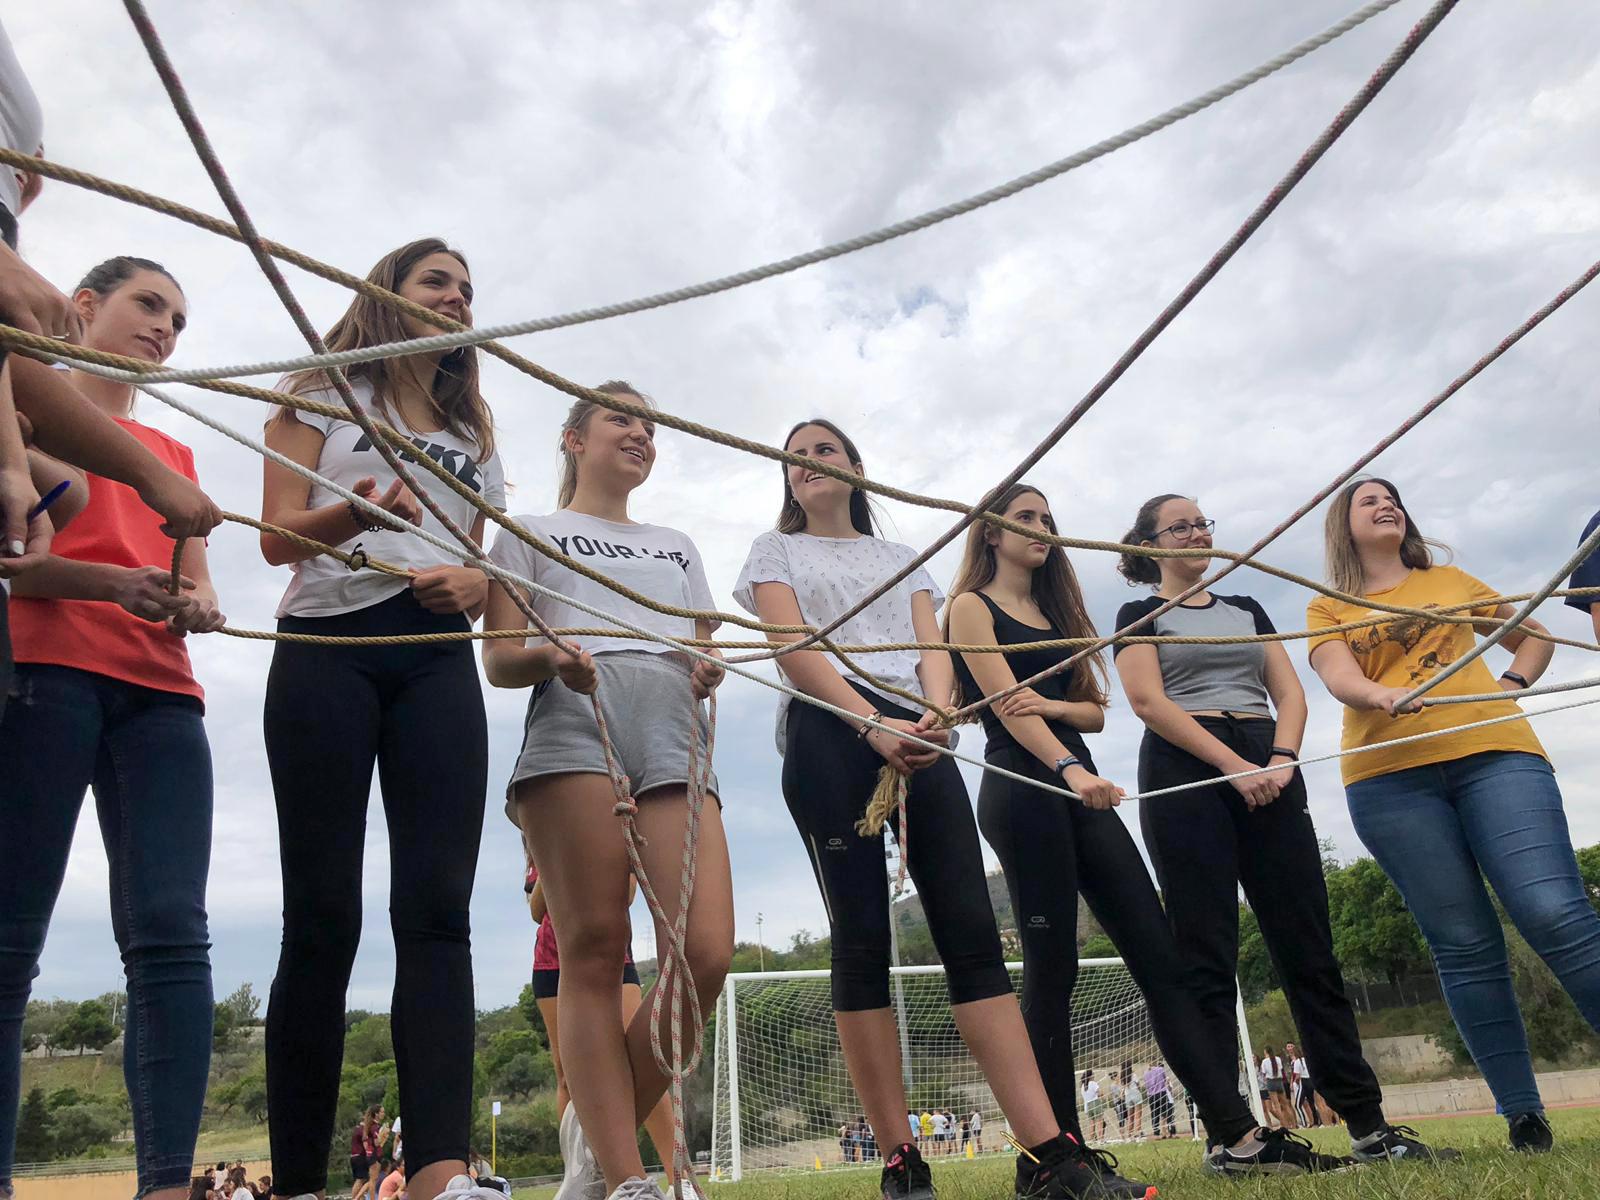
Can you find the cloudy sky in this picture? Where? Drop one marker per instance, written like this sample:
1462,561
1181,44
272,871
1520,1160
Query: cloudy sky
583,153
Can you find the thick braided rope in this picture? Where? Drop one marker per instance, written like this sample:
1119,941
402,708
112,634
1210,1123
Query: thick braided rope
207,154
1589,546
1540,689
1302,167
511,579
108,365
835,250
1338,481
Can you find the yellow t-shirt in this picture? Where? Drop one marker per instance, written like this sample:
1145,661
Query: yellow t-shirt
1404,653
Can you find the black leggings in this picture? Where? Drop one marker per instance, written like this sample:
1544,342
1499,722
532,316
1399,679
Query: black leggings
828,777
331,712
1204,844
1051,849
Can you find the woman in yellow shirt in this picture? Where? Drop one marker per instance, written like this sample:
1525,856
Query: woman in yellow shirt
1442,814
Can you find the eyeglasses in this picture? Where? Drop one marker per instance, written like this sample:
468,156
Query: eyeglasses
1182,531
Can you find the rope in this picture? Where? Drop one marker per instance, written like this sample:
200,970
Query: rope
1385,72
1540,689
97,363
1590,545
786,265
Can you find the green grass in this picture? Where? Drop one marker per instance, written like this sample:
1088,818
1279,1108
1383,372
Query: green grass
1488,1172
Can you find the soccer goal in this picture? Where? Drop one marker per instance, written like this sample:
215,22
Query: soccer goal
783,1099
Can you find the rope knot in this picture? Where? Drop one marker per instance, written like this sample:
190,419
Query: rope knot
358,560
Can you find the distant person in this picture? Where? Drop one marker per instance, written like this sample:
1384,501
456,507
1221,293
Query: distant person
1302,1092
1133,1098
1158,1090
1587,576
1094,1108
977,1131
1273,1093
394,1184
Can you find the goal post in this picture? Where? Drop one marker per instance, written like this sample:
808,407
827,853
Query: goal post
782,1097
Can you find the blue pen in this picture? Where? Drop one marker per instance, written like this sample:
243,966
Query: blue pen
49,498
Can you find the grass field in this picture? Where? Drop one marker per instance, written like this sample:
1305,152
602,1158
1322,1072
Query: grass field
1489,1171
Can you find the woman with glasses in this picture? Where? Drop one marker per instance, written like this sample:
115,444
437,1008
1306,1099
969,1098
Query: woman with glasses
1208,712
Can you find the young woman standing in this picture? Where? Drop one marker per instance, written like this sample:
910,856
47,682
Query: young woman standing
561,796
1483,802
416,712
823,558
104,696
1208,711
1012,589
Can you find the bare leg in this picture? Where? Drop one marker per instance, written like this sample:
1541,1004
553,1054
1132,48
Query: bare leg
434,1178
550,1010
871,1044
659,1123
994,1032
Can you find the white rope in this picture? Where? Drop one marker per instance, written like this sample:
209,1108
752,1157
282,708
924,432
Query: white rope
474,337
1589,546
496,571
1540,689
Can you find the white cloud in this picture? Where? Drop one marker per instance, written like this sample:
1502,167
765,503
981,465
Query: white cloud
582,153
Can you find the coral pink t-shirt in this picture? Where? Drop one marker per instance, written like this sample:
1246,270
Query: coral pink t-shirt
97,635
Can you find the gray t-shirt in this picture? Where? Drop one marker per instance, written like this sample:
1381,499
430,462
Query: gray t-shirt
1227,678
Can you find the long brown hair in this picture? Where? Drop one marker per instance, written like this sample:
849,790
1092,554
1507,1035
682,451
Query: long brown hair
454,399
1339,545
792,518
1137,568
578,417
1054,588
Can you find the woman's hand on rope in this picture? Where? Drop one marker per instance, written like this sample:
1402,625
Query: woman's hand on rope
397,500
142,591
188,512
199,614
1388,700
1091,789
450,589
1026,702
28,301
906,757
706,676
1258,790
576,670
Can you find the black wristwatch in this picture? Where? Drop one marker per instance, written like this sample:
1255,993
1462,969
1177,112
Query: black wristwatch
1071,760
1515,678
1284,752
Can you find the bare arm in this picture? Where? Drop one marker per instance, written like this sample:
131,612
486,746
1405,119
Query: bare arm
285,497
1288,698
1530,657
47,474
67,426
23,543
935,671
512,663
1336,666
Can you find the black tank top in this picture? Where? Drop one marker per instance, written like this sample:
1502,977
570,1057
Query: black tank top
1009,631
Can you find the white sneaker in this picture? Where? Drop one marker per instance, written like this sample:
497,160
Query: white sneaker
461,1187
582,1179
636,1188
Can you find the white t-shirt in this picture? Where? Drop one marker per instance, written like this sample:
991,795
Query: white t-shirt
1091,1091
651,559
977,1122
21,120
1298,1066
324,587
1269,1068
830,574
1133,1095
941,1125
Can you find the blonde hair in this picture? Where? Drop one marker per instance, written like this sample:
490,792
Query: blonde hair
1343,562
578,419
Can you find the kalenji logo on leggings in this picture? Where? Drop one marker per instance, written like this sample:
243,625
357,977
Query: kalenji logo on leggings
1039,922
835,843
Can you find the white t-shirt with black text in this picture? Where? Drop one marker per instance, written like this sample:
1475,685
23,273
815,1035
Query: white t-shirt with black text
325,587
829,575
653,560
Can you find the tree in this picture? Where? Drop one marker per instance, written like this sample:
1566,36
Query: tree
1373,931
1257,976
35,1130
507,1045
89,1027
1589,870
243,1004
80,1127
528,1006
368,1041
525,1073
1098,946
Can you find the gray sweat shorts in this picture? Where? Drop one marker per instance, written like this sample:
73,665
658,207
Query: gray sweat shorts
648,707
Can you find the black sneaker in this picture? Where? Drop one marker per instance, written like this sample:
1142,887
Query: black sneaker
1279,1153
1394,1143
1531,1133
1074,1172
906,1176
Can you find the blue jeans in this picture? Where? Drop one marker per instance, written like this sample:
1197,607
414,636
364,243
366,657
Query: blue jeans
146,755
1438,831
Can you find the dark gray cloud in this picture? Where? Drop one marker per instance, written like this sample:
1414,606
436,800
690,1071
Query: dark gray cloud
581,154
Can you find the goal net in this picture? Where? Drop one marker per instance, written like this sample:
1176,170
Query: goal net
783,1098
